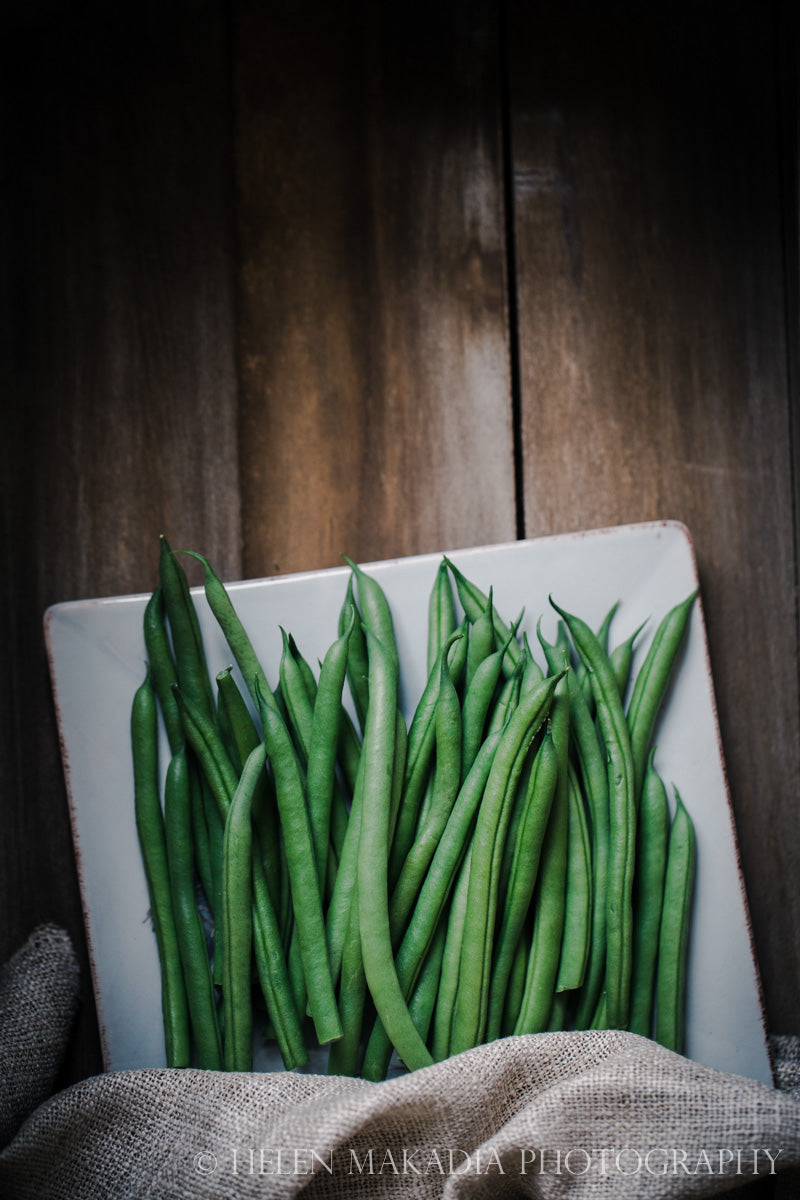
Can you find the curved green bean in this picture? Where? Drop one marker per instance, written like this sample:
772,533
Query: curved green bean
152,840
447,778
591,761
451,961
494,813
188,924
237,919
441,614
481,640
651,682
323,745
622,818
578,911
522,878
235,634
301,865
474,602
673,940
184,627
162,666
373,891
651,863
357,662
433,897
550,894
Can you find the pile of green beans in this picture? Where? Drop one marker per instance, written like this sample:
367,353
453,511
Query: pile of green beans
505,862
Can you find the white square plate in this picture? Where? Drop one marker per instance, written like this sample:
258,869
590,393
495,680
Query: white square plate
97,659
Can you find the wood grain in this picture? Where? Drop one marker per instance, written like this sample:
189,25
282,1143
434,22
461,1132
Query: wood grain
375,399
653,358
119,361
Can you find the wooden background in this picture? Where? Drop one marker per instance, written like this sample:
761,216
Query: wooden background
290,279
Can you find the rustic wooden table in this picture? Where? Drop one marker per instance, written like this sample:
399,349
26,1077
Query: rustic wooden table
294,279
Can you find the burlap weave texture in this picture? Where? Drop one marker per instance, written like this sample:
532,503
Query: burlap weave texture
38,999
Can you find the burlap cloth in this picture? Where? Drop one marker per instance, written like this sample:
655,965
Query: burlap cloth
586,1114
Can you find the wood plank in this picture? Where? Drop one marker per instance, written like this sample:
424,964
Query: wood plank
119,364
653,366
375,399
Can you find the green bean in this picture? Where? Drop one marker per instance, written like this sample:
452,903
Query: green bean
377,618
422,1001
532,673
162,666
297,978
375,612
522,879
323,741
235,634
245,739
507,700
621,660
226,733
202,845
348,748
651,683
304,669
673,937
512,662
203,736
188,924
357,663
150,828
441,614
214,821
273,975
592,764
221,778
474,602
284,908
578,911
299,707
517,812
237,919
300,689
184,627
602,637
398,770
303,879
651,862
373,894
432,900
338,914
243,732
340,815
445,789
419,751
516,985
343,1058
481,641
622,819
600,1018
332,866
477,701
558,1013
164,674
451,960
550,894
494,813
